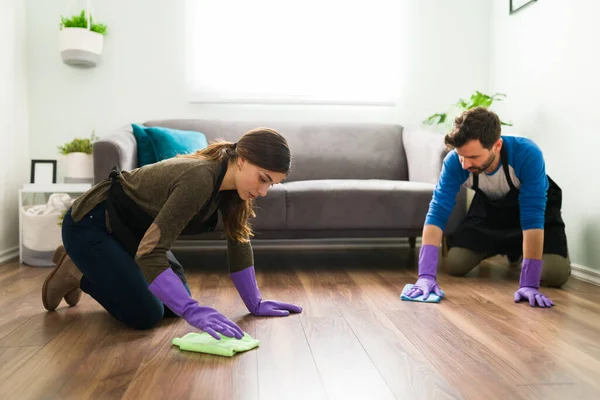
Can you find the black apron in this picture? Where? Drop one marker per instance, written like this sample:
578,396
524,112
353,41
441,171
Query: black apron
493,227
129,222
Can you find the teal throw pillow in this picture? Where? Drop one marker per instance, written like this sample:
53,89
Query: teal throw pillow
146,154
159,143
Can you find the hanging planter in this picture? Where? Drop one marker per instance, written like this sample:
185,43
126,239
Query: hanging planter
81,40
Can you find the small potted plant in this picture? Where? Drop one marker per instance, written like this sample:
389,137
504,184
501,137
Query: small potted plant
444,121
81,40
79,159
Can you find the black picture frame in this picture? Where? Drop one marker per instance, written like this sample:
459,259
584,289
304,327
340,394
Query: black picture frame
34,163
518,5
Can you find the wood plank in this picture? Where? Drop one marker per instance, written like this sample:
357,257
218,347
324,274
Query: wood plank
286,367
12,358
344,366
110,368
50,368
171,372
377,291
165,372
404,368
510,338
20,292
318,302
43,326
460,358
220,377
21,274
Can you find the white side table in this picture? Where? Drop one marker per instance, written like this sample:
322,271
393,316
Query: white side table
30,189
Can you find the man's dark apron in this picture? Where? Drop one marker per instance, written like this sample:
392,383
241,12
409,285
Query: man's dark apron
493,226
129,222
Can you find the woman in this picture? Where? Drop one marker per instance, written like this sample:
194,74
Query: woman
117,236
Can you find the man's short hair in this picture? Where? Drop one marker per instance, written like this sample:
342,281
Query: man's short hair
478,123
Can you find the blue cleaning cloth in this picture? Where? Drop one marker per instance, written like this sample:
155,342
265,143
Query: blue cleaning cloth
433,298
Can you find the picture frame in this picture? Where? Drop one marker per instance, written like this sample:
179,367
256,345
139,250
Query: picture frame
517,5
43,171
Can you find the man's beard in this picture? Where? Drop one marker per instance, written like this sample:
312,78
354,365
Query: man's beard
479,170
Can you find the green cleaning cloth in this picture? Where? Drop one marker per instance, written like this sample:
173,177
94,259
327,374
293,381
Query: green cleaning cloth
204,343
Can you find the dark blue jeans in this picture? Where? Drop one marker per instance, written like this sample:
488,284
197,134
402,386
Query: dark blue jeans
110,274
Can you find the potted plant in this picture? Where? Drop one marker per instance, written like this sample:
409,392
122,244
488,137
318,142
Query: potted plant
79,160
444,120
81,40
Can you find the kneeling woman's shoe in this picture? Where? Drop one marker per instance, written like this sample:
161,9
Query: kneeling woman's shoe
63,281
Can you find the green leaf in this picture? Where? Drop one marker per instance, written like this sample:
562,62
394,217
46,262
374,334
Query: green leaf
477,99
79,145
80,21
432,119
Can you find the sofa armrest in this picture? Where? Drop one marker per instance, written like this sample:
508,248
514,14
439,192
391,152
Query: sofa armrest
459,212
119,149
425,152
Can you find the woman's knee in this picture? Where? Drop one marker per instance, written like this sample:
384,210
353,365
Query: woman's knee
145,317
556,270
460,261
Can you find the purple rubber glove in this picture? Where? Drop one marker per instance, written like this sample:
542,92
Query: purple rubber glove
168,288
428,262
245,283
531,272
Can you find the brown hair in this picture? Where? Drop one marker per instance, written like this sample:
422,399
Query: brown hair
263,147
478,123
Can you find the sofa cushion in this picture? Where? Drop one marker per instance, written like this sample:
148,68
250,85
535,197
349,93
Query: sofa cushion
357,204
270,211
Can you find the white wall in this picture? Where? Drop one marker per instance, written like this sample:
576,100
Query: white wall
446,52
14,151
546,58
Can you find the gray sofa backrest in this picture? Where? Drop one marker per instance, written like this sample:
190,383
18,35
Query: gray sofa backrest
321,150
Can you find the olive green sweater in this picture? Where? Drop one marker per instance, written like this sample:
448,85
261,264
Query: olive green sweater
172,192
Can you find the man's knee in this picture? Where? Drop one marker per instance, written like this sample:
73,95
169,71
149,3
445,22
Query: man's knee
460,261
556,270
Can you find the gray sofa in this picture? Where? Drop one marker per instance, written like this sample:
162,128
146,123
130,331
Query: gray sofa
349,183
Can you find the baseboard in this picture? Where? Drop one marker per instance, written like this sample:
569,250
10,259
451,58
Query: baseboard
585,274
9,254
298,244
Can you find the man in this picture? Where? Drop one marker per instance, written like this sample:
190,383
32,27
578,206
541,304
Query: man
515,211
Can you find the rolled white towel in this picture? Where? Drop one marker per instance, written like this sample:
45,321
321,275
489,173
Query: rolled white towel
57,203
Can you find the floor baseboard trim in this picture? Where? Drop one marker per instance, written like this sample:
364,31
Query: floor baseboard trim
586,274
9,254
298,244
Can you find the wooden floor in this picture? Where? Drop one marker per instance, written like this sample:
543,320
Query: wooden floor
354,340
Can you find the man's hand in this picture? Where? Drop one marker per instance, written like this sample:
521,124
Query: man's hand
424,286
427,283
531,273
534,296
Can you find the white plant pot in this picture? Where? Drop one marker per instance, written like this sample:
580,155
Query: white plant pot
79,166
80,47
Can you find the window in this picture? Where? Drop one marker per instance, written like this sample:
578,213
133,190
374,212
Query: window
295,52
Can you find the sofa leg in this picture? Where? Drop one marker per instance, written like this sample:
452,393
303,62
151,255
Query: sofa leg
412,241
